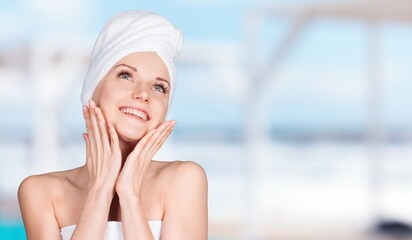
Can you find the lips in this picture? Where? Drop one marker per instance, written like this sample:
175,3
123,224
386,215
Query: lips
140,113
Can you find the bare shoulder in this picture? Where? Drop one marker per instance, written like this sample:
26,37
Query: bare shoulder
185,200
179,177
37,194
37,183
44,185
179,170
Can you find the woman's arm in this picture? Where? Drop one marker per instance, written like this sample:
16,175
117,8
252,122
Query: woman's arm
103,162
186,211
128,186
37,209
93,220
38,213
134,223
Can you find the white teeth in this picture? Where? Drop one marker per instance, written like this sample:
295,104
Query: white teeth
135,112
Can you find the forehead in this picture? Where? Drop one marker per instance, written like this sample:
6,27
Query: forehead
148,62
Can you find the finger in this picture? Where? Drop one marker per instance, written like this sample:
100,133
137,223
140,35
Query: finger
159,141
89,163
86,115
90,135
103,130
139,146
134,156
137,151
114,139
95,128
160,133
87,141
162,138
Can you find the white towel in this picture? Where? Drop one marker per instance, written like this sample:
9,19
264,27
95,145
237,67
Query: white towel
130,32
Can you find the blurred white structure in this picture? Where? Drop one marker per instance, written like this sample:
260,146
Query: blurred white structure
277,187
56,66
263,77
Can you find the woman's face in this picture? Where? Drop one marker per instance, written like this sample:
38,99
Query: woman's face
134,94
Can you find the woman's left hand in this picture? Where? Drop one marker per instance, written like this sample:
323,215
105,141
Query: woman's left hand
134,170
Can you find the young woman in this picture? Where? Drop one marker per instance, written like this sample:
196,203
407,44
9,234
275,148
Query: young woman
120,192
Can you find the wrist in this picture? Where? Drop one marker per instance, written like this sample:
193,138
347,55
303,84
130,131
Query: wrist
101,192
128,196
130,202
127,191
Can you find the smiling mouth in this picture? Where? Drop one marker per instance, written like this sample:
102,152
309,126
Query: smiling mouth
135,112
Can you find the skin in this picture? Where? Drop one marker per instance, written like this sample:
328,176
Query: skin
120,181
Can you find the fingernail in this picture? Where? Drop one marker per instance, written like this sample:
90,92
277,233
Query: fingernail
84,108
173,122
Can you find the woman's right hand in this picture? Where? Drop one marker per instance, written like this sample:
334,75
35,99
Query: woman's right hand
103,155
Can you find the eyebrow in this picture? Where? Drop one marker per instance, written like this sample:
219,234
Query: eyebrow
122,64
164,80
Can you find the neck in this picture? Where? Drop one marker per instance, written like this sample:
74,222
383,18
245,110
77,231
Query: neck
126,148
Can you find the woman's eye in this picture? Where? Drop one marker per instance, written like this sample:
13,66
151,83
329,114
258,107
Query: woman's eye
159,88
125,76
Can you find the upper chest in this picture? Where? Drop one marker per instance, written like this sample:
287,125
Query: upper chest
69,200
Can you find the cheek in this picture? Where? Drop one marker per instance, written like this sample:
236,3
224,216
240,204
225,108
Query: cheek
158,114
163,109
160,101
108,107
108,113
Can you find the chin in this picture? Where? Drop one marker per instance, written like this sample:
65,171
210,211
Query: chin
129,135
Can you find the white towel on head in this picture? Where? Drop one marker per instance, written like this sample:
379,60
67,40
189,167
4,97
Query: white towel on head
130,32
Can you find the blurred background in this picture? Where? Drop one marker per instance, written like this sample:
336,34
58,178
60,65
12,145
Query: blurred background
299,111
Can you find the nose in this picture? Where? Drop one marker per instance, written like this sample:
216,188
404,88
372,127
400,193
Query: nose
141,94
